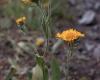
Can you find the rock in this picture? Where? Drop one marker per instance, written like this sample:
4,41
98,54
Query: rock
87,18
89,45
92,72
72,2
89,5
26,47
97,6
21,44
92,34
97,78
96,52
83,57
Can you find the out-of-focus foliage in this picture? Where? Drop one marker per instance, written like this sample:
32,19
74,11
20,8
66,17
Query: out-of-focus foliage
15,9
55,69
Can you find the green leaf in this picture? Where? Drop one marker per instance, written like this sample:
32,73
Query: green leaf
55,69
29,75
37,73
41,63
45,74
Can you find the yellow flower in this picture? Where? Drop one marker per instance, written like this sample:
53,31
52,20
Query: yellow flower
21,20
27,1
69,35
39,41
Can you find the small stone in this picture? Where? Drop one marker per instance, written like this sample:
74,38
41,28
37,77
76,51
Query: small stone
93,35
21,44
87,18
96,52
97,6
97,78
72,2
89,45
24,46
92,71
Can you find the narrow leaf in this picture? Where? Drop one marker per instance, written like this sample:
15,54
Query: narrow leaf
55,69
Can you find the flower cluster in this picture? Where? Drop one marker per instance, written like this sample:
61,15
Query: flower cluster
69,35
21,20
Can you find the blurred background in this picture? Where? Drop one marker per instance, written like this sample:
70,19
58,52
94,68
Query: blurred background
83,15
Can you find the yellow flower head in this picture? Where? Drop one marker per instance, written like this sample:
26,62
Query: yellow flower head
69,35
21,20
39,41
27,1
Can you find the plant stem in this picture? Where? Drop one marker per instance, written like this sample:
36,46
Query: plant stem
68,59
